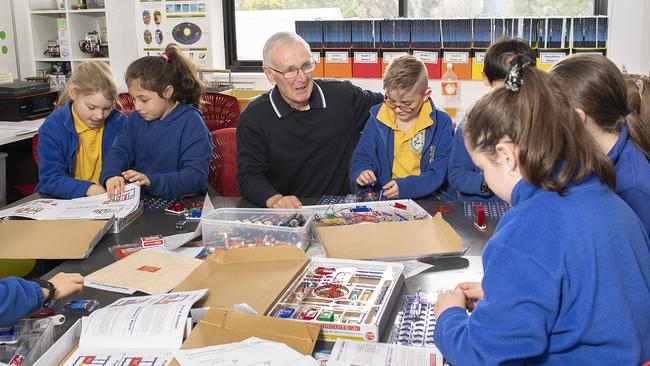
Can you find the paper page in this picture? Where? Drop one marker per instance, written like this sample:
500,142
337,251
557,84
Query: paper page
191,252
252,351
348,353
144,322
178,240
119,358
84,208
151,272
413,267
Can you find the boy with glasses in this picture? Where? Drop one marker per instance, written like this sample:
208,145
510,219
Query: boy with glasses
404,147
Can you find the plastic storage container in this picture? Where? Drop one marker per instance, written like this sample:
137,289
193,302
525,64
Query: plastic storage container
227,228
244,96
26,341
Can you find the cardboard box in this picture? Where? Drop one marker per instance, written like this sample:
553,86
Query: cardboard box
220,326
51,239
262,276
388,240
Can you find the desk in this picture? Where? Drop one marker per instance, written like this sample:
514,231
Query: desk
159,222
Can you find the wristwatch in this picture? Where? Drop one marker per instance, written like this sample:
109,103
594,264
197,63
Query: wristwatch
484,187
50,286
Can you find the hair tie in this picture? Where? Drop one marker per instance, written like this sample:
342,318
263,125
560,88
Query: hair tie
639,85
164,57
513,80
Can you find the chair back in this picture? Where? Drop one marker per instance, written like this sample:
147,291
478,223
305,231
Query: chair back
222,172
128,105
220,111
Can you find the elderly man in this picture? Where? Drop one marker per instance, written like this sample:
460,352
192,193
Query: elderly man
297,139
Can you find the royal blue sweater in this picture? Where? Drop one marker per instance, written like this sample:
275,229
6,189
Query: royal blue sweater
465,177
375,152
566,283
173,153
57,152
18,298
632,176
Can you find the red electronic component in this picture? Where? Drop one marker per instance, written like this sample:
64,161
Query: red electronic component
331,291
324,271
309,314
479,216
400,206
443,209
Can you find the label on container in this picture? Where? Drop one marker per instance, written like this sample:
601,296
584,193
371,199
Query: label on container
365,57
426,57
550,58
456,57
479,57
389,56
336,57
316,57
449,88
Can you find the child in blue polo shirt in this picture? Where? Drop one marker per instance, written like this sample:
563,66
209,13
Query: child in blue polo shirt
465,177
599,93
404,147
566,275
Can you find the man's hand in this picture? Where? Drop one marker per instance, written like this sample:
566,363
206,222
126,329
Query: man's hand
136,177
280,201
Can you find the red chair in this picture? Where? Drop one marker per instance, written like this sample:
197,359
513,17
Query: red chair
220,111
222,172
27,189
127,104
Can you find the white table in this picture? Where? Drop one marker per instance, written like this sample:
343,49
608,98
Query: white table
12,132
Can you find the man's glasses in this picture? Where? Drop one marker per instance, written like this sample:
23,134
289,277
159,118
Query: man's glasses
404,107
293,72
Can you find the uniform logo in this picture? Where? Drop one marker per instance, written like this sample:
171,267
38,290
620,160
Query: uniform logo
417,142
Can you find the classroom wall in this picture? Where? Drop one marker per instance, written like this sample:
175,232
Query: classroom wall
629,34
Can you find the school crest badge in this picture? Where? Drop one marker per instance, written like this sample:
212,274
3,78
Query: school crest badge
417,142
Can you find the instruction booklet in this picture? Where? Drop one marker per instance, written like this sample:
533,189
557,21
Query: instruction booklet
146,328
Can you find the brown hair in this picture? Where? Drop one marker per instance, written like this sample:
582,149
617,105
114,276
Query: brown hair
499,55
406,73
173,68
596,86
554,146
638,96
90,77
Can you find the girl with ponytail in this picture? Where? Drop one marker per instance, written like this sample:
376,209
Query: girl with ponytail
166,146
599,93
564,262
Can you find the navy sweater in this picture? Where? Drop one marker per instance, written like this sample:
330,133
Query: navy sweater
376,147
465,177
173,153
566,283
57,152
632,176
18,298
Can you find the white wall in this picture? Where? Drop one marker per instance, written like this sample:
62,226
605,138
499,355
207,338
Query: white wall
8,60
629,34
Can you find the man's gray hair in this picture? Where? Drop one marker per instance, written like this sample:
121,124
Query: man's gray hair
281,39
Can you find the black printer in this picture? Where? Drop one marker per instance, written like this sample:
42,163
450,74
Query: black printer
22,100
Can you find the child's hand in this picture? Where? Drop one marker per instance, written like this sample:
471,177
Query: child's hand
391,190
114,187
449,299
94,190
66,284
366,177
280,201
473,292
136,177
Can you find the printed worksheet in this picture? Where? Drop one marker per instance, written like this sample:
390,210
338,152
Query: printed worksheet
353,353
250,352
99,358
85,208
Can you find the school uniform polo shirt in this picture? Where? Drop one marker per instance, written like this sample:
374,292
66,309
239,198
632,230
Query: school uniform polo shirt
407,145
88,162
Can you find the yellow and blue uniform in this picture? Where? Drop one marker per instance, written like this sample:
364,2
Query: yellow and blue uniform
88,162
416,159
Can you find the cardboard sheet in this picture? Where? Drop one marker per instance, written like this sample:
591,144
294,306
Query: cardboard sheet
51,239
391,240
149,271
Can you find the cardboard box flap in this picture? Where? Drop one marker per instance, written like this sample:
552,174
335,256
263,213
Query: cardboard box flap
256,276
50,239
220,326
391,240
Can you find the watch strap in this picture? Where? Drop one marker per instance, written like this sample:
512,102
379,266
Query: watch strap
48,285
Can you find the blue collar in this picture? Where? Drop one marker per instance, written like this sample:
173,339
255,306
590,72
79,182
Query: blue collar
522,191
617,149
282,108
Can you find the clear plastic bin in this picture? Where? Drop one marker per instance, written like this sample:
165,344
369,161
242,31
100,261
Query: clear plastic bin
31,338
227,228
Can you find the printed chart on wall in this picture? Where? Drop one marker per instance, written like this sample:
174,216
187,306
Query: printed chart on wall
185,23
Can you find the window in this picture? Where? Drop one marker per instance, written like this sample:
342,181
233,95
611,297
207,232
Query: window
248,23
